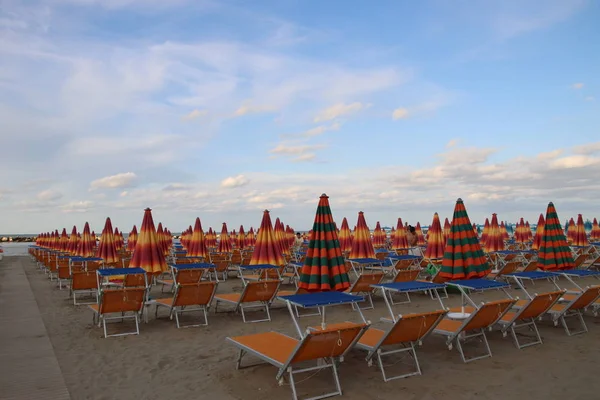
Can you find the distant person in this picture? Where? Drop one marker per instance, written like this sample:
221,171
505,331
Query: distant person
298,241
411,236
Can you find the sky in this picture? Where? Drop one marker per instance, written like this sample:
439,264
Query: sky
219,110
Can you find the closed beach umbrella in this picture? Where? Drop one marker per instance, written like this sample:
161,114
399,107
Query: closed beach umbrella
484,234
323,268
419,233
580,237
266,248
362,246
241,238
378,236
107,250
494,241
132,239
250,238
504,231
595,233
160,234
345,237
148,253
474,229
571,231
463,256
197,244
447,228
280,236
528,232
117,237
86,245
435,242
73,241
400,241
554,252
64,241
539,233
224,243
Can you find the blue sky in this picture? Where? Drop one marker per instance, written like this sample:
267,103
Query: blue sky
220,110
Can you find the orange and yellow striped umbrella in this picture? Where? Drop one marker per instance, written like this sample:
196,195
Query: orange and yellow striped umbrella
474,229
420,237
539,233
378,236
233,238
520,234
290,236
197,244
435,243
117,237
132,239
266,248
580,237
494,240
224,242
595,233
400,241
241,238
362,246
504,231
93,235
280,236
528,232
484,234
345,237
107,250
86,245
148,253
447,228
250,238
73,241
571,231
63,244
554,252
324,268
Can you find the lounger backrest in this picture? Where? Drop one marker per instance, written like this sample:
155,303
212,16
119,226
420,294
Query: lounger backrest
509,268
488,314
406,275
121,300
412,327
63,270
364,282
200,293
401,252
580,260
246,259
382,255
236,257
221,264
327,343
260,291
510,257
193,275
587,297
404,264
540,304
84,280
93,265
530,267
135,280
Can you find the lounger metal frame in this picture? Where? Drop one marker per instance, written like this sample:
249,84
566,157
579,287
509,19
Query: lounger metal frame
561,316
176,310
241,306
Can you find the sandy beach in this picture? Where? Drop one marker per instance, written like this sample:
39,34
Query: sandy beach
164,362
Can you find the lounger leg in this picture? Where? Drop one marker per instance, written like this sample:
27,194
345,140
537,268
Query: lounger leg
579,315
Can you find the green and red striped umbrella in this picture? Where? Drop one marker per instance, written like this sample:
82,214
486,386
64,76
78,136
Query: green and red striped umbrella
595,233
378,236
400,241
539,233
362,246
345,237
435,239
86,245
132,239
107,250
149,252
324,268
197,244
580,237
419,233
266,248
554,252
73,241
224,242
463,256
494,240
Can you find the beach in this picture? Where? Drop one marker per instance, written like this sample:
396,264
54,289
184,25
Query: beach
164,362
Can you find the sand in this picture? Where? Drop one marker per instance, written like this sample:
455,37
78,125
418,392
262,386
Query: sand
164,362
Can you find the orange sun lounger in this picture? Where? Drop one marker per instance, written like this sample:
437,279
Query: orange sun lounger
325,347
189,297
526,315
406,331
363,286
256,294
574,307
126,302
473,326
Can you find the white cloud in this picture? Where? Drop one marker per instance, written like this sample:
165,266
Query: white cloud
49,195
587,149
195,114
122,180
305,157
338,110
319,130
400,113
235,181
77,206
577,86
253,109
295,150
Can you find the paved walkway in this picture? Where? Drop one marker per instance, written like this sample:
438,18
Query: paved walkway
28,367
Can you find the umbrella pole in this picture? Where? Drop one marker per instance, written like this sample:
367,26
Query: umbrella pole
323,325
